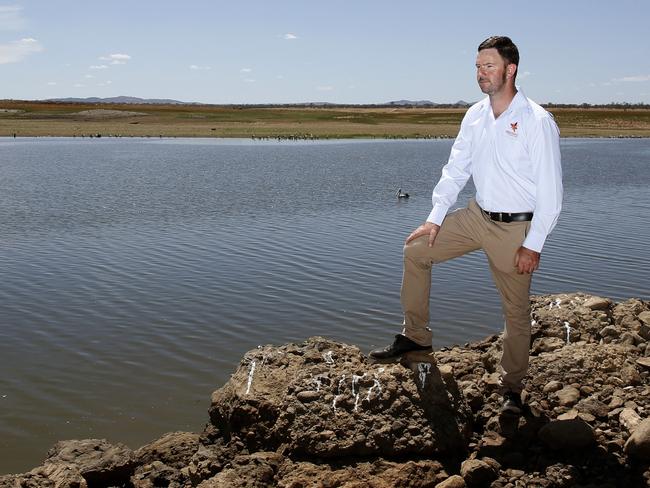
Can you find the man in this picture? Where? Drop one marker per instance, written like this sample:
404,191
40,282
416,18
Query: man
509,145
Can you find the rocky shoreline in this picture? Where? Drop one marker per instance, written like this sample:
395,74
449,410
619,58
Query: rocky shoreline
319,414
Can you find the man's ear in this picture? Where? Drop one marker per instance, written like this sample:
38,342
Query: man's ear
511,69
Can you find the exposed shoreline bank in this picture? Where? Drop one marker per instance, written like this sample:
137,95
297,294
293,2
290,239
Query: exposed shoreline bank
296,138
303,414
73,119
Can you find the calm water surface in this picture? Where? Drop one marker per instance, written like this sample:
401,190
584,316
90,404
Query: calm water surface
136,272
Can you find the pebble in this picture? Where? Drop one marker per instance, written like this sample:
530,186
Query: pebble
597,303
552,386
629,419
308,396
645,317
568,395
567,434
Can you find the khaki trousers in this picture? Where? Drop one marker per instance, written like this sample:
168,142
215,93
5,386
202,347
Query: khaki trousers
462,232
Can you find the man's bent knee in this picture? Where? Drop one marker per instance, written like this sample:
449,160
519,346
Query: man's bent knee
417,248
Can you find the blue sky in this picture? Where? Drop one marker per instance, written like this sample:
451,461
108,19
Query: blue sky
352,51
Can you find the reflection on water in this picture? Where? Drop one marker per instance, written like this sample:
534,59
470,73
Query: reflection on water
136,273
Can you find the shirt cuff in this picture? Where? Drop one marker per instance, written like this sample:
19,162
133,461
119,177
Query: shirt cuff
438,214
534,241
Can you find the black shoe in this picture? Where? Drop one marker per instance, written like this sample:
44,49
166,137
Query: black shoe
394,352
512,403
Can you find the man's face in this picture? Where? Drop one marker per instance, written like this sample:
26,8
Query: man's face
491,71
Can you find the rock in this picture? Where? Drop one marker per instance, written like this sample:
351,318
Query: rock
597,303
98,461
567,434
473,396
645,362
631,338
209,459
552,386
644,332
386,426
638,445
547,344
629,419
252,471
587,417
308,396
371,474
477,473
609,331
371,409
615,402
491,380
52,475
174,449
570,415
568,395
592,406
156,474
454,481
630,376
645,317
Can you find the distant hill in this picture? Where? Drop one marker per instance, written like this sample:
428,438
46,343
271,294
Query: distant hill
413,103
122,100
426,103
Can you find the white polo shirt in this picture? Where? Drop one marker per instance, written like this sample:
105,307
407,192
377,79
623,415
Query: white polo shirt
514,161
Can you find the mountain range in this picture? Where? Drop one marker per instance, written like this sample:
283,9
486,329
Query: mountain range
123,100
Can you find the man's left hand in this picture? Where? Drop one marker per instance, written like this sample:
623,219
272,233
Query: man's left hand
526,260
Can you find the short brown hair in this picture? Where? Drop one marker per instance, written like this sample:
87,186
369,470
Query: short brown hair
504,46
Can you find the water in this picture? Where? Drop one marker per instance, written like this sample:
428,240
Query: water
136,273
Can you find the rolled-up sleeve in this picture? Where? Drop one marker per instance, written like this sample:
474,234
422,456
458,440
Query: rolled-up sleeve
546,160
454,175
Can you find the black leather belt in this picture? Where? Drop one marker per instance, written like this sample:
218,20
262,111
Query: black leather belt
509,217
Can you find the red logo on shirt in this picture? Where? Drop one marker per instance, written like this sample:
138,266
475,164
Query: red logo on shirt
513,126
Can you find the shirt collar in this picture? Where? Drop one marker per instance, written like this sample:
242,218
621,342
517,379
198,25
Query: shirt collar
519,101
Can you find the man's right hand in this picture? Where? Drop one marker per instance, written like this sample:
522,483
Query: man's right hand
428,228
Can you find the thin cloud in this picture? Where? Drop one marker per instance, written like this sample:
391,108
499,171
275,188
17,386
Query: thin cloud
289,36
633,79
116,58
195,67
51,83
325,88
11,18
18,50
78,85
524,75
88,76
249,80
98,66
105,83
245,70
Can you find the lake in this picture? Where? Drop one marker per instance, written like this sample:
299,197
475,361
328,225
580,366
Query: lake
137,272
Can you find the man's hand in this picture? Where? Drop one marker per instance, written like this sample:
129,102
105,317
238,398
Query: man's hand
428,228
526,260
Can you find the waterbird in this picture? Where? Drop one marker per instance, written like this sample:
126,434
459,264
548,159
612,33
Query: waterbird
400,194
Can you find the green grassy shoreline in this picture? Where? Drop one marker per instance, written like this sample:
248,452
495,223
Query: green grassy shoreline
75,119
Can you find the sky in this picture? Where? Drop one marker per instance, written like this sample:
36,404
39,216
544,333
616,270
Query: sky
339,51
